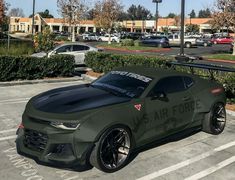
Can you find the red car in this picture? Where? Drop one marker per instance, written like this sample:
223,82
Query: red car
222,40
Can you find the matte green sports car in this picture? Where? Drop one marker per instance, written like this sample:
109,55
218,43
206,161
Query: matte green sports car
103,122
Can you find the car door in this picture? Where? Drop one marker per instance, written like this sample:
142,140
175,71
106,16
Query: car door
169,107
79,53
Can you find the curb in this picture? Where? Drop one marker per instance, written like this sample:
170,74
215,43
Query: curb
88,78
231,113
39,81
220,60
123,50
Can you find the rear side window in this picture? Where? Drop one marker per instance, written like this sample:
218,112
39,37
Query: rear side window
170,85
64,49
188,82
80,48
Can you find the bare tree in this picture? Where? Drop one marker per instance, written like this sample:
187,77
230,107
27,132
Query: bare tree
16,12
73,12
106,14
224,15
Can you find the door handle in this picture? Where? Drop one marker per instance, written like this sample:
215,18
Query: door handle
186,98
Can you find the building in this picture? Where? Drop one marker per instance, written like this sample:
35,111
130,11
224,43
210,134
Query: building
18,24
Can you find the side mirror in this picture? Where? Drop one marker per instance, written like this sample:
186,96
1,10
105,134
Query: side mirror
159,95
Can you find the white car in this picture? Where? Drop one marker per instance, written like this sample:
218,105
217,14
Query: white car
105,38
77,49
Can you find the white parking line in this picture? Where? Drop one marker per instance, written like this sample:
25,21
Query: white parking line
13,100
212,169
8,138
7,131
187,162
16,102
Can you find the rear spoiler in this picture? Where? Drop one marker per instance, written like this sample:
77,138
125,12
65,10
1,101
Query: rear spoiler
211,68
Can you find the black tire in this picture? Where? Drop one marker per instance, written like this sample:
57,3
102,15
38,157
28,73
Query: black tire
109,155
188,45
215,121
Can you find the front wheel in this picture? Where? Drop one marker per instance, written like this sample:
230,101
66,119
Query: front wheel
112,151
215,120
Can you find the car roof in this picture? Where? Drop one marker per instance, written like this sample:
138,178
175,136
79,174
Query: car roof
73,43
153,72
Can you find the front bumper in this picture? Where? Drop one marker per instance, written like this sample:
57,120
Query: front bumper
49,146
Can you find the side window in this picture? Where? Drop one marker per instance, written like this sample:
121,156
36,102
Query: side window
188,82
170,37
64,49
170,85
80,48
176,37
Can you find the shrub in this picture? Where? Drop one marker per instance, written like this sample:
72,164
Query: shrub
104,62
127,42
22,67
43,41
137,43
17,47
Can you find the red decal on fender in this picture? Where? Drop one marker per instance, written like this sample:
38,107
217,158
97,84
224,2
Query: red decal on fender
138,107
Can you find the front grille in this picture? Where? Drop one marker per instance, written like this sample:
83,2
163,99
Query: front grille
35,140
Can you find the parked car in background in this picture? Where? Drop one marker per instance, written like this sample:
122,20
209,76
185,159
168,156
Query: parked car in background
91,37
77,49
203,42
105,38
188,41
222,40
134,36
159,41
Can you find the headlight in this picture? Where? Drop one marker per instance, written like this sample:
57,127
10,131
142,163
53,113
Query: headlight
66,126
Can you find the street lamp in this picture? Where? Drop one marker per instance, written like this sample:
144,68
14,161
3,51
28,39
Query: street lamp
33,17
157,1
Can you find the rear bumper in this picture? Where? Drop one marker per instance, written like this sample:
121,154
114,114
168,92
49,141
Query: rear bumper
58,150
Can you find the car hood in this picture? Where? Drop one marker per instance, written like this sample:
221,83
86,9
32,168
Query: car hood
74,99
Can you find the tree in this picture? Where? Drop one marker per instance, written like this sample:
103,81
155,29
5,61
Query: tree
16,12
3,18
177,21
73,12
106,14
192,14
138,13
43,41
90,15
204,13
45,14
192,28
224,15
171,15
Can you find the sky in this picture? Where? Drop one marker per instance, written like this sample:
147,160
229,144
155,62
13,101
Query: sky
165,7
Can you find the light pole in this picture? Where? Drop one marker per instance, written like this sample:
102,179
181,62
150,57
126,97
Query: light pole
182,28
33,17
157,1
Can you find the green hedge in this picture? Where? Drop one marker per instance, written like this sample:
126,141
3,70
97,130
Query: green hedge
127,42
25,67
104,62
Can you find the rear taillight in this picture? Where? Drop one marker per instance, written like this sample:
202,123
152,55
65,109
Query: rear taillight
21,126
217,90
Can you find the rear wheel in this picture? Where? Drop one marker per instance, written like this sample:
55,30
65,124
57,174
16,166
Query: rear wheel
215,120
112,151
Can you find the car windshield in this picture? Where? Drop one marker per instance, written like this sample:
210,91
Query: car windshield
122,83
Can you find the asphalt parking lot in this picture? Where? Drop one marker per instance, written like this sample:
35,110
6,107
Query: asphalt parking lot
198,156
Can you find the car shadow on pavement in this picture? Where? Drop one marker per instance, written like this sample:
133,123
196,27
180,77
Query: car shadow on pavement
172,138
